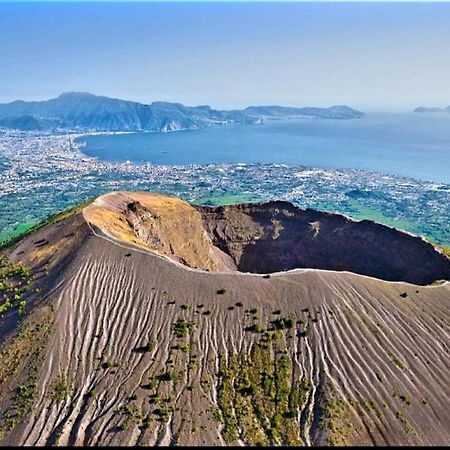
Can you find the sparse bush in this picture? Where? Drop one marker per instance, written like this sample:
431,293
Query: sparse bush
146,422
108,363
255,328
91,394
181,328
167,376
283,323
59,390
405,399
149,346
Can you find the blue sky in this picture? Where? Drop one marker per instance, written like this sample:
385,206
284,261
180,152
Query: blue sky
375,56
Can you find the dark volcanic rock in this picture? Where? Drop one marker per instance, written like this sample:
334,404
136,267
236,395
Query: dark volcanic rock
278,236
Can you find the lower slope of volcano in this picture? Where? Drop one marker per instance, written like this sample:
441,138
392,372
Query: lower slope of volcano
139,327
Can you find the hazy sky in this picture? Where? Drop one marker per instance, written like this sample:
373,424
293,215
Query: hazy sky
370,56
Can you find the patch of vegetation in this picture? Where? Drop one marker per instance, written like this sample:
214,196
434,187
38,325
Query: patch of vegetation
154,399
335,418
50,220
170,375
129,415
255,328
181,328
128,410
146,422
226,198
151,384
163,413
221,291
283,323
239,304
23,399
21,359
409,429
109,363
150,346
405,399
15,280
183,348
258,400
59,390
91,394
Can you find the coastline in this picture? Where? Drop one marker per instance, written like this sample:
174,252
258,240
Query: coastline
59,175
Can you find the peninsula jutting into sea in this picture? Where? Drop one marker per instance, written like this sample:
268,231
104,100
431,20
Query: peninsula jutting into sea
83,111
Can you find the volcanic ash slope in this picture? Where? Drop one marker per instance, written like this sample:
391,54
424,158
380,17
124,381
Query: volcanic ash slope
141,328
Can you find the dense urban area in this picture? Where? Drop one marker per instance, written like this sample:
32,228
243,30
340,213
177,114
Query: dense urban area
43,173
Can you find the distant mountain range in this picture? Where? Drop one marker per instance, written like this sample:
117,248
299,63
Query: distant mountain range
425,109
83,111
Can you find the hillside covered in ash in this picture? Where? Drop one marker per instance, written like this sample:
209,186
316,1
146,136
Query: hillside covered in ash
139,319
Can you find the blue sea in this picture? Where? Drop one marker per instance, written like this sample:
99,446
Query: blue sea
408,144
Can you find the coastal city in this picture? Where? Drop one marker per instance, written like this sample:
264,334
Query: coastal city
43,173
